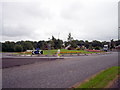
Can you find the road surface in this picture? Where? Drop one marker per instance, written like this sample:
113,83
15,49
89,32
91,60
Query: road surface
12,62
61,73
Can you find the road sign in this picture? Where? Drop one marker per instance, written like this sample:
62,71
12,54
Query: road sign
37,52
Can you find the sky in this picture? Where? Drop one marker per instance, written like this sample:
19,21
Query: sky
40,19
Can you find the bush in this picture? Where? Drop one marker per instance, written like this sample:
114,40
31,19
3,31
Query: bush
97,48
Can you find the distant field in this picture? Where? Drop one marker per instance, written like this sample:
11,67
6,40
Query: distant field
62,51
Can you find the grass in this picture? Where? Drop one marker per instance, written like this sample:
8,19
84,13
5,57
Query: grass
102,79
51,52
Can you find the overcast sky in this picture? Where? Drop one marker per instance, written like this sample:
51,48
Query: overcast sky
39,20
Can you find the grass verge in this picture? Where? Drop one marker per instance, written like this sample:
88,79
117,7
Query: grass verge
102,79
51,52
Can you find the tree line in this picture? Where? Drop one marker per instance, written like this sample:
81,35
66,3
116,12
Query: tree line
53,43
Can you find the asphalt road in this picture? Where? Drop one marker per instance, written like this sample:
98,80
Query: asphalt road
61,73
13,62
10,60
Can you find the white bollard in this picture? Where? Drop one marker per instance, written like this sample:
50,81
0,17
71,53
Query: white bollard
58,53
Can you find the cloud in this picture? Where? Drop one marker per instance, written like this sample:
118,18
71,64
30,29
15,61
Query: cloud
96,20
85,19
16,31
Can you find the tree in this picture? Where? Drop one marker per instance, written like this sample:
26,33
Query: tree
87,44
35,44
81,43
66,43
8,46
55,44
52,42
70,38
18,48
96,44
42,45
74,44
58,44
27,45
112,44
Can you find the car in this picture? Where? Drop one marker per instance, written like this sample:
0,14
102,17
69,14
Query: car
105,48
